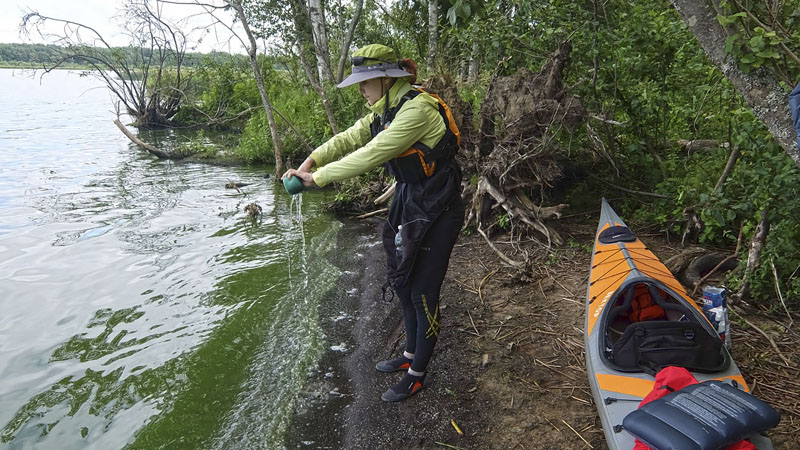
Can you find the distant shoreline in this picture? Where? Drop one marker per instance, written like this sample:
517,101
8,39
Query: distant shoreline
38,66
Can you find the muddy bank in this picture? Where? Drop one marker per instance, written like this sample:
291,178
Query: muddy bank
355,417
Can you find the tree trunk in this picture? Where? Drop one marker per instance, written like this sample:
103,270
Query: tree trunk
319,88
320,36
734,156
754,255
472,75
251,51
348,39
760,89
433,33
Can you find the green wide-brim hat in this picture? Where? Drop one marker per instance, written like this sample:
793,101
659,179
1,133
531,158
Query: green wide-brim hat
373,61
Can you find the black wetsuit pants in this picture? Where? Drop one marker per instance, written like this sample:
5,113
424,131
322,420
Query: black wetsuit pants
419,297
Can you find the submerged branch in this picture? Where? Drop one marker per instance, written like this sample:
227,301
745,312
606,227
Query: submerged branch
158,153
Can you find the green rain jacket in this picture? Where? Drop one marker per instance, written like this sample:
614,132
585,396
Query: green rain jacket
354,151
415,206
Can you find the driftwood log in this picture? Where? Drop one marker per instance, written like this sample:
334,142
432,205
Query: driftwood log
700,145
702,267
694,265
678,263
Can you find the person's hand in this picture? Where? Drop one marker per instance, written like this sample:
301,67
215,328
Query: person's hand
308,179
304,172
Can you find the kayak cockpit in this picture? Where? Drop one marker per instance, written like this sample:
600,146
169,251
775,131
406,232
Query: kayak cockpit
647,327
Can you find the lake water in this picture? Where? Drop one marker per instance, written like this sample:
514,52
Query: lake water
140,306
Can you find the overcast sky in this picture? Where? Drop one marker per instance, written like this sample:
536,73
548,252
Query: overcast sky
99,14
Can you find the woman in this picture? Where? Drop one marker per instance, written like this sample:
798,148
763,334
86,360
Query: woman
412,134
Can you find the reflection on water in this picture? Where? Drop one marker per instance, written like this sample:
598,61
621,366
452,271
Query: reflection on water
142,307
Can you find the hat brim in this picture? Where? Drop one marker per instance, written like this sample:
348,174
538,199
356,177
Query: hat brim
356,77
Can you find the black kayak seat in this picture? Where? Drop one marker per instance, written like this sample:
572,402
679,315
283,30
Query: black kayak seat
616,233
702,416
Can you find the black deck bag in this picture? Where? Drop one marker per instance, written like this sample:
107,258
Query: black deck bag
658,344
704,416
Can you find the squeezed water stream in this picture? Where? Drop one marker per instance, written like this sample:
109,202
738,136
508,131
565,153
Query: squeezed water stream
141,307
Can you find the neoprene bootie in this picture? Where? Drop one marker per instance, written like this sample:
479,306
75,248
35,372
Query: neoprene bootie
406,387
393,365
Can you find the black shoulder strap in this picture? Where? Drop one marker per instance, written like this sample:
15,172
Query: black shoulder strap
388,116
381,121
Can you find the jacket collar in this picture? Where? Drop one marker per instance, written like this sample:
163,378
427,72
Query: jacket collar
396,92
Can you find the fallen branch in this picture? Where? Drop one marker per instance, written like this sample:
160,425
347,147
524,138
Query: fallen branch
505,258
158,153
373,213
630,191
386,195
454,447
523,209
763,333
477,333
606,120
780,295
480,295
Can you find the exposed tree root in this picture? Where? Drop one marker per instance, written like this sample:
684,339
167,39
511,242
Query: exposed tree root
516,154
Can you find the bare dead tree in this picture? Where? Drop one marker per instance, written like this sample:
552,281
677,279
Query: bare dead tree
147,77
318,88
249,43
301,33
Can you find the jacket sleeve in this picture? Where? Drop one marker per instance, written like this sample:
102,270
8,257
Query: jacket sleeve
410,124
343,143
794,106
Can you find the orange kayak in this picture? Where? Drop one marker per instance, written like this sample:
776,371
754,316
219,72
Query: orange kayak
629,287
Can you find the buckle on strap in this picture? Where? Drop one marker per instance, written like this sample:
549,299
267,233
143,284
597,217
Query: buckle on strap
387,287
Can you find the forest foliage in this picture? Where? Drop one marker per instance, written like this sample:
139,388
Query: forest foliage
645,81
